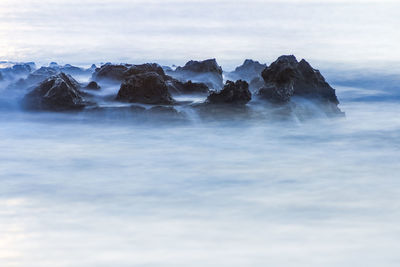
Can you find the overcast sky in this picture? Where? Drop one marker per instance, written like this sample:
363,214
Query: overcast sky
85,31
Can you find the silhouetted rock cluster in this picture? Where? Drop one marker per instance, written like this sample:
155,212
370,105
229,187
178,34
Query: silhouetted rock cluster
151,84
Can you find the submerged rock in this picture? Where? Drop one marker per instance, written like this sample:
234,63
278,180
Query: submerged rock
92,86
57,93
287,77
207,71
147,88
232,93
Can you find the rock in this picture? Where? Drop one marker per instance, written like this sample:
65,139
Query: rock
123,71
147,88
256,83
54,65
111,72
207,71
232,93
144,68
92,86
57,93
22,69
177,87
72,70
17,70
248,71
276,93
195,88
92,68
33,78
209,65
287,77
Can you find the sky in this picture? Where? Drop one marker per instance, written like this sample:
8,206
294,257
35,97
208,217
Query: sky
360,33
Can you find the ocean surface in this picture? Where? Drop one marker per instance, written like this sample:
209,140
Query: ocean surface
82,190
87,190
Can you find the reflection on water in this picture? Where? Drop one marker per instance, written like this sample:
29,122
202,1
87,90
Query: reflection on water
77,190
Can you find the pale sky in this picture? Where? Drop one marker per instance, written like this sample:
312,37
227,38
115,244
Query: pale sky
172,32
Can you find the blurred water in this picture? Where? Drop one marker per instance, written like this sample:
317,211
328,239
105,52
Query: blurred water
80,191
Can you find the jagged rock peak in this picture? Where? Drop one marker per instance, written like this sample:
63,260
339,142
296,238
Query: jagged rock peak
208,65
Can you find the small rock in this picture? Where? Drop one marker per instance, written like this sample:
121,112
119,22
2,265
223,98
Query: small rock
232,93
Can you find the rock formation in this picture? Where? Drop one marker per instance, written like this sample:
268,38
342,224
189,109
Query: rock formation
232,93
207,71
147,88
287,77
57,93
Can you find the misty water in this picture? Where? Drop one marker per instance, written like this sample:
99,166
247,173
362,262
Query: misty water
80,189
108,189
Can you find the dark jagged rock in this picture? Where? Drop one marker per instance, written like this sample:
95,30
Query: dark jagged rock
287,77
207,71
111,72
147,88
189,87
57,93
123,71
143,68
209,65
232,93
92,86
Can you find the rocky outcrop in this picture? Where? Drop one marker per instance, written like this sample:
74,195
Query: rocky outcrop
57,93
209,65
123,71
232,93
147,88
207,71
176,87
111,72
92,86
287,77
